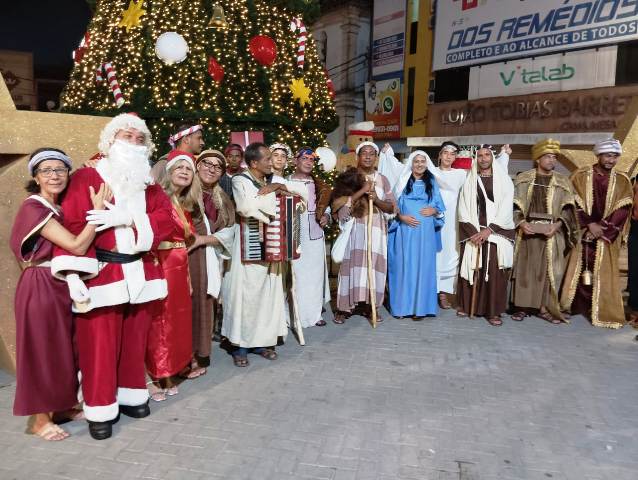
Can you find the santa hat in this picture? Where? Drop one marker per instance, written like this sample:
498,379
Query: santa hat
122,122
365,129
176,156
611,145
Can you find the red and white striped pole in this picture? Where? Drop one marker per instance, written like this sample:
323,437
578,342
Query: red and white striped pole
295,25
111,76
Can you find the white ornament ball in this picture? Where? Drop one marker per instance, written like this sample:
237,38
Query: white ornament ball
327,158
171,48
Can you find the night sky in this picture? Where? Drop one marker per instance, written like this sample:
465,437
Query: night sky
51,29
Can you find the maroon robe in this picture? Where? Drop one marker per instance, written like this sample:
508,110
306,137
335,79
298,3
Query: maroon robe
45,368
612,227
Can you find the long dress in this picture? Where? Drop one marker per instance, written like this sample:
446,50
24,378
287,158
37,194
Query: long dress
312,291
353,272
169,347
412,251
45,368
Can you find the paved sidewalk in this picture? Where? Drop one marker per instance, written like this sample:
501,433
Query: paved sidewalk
439,399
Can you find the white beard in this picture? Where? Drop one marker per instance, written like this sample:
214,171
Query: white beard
126,168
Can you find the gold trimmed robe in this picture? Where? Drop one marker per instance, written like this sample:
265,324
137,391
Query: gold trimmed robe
540,262
607,308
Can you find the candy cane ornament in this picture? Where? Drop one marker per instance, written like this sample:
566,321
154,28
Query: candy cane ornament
295,25
111,76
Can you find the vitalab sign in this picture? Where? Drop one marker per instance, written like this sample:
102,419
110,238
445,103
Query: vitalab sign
470,32
571,71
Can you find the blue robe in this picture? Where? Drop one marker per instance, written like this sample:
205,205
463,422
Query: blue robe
412,254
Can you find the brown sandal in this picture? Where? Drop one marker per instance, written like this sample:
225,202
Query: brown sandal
519,316
240,361
494,321
339,318
548,317
268,354
443,302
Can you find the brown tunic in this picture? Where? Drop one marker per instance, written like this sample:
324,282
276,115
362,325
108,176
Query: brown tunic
532,286
491,295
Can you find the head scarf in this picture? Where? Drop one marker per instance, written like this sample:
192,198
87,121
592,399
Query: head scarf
233,146
406,173
363,144
47,155
281,146
173,139
611,145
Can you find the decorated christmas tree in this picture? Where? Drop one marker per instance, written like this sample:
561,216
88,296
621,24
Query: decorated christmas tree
231,65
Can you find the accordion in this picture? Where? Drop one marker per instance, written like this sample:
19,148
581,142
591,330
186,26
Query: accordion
276,241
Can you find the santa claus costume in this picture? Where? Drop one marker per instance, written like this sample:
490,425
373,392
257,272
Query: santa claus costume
122,276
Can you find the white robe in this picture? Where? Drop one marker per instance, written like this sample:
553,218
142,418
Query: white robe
254,302
311,288
450,184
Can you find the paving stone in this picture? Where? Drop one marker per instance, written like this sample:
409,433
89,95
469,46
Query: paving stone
440,399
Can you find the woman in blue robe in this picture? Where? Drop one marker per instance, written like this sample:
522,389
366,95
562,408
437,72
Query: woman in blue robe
414,239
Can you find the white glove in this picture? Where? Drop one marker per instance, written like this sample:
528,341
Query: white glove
77,289
112,216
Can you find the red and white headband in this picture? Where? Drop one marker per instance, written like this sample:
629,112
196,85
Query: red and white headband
172,140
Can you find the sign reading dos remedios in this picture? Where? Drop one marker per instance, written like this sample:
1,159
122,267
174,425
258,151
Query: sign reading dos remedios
470,32
594,110
559,72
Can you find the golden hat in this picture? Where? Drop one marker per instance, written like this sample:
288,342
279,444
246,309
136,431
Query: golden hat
545,146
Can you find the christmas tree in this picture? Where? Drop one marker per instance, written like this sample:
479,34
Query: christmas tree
228,80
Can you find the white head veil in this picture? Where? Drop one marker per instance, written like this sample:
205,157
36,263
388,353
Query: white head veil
406,173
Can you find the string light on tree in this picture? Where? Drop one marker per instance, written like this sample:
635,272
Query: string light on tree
249,97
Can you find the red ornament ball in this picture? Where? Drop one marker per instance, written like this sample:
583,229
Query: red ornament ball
263,49
215,70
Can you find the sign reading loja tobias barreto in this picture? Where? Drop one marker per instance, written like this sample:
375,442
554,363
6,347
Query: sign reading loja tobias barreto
470,32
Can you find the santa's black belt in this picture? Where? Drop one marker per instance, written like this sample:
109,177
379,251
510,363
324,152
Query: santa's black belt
116,257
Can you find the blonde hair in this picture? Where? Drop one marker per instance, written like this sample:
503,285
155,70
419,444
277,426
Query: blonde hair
190,199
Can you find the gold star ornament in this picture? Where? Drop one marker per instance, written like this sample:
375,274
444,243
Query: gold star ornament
132,15
300,92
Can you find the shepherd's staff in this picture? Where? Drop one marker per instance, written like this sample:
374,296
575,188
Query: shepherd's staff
476,277
371,287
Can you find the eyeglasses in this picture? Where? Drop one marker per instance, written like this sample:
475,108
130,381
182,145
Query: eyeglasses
211,166
48,172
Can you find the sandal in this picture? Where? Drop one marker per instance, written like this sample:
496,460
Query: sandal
518,316
268,354
70,415
156,393
170,391
51,433
460,313
548,317
320,323
240,361
339,319
633,320
443,302
494,321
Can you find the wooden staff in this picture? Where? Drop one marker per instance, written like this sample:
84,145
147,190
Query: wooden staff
296,323
476,277
371,288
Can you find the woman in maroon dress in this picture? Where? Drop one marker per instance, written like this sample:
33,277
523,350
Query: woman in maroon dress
169,349
46,375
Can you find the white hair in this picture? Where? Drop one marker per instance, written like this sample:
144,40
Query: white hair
123,122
